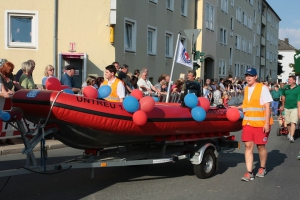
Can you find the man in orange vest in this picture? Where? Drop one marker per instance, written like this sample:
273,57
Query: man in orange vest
117,87
256,123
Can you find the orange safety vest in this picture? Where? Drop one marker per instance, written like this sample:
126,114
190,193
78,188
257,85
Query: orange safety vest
254,113
113,97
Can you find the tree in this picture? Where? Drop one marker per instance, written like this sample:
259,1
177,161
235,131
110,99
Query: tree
292,65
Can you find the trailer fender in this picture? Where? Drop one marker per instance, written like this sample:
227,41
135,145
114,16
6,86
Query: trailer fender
198,156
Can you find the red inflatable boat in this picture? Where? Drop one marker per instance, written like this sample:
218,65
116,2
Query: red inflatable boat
87,123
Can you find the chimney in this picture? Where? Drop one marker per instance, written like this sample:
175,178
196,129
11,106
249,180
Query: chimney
286,40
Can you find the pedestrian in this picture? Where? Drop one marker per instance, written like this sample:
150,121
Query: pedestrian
49,72
67,78
256,123
276,95
289,105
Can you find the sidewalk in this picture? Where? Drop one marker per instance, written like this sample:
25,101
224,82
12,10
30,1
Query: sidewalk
19,146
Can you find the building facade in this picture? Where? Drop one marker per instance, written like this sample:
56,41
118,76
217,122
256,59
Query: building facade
237,35
287,51
93,34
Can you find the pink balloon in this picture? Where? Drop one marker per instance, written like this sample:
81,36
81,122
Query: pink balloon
137,94
90,92
64,87
139,118
52,83
233,114
147,104
204,103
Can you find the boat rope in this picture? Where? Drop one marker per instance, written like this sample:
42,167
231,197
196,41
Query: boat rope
51,109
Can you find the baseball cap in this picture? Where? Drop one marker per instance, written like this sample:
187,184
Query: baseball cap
69,67
251,71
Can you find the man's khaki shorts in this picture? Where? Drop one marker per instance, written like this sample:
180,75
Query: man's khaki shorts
291,116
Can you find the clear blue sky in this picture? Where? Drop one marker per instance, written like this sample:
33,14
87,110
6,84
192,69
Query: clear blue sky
289,13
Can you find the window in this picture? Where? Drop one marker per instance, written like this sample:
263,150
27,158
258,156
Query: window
22,29
258,29
223,36
245,18
224,6
244,44
231,23
267,56
222,67
237,69
259,7
209,17
239,14
170,5
250,22
183,41
130,35
251,2
249,47
232,2
257,50
254,16
183,7
153,1
230,56
169,45
238,42
151,45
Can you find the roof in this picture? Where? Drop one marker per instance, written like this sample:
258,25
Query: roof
283,45
265,1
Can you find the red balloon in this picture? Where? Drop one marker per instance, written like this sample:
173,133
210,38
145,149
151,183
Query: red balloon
137,94
233,114
139,118
64,87
147,104
52,83
90,92
204,103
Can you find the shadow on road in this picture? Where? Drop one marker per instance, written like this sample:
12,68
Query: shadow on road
228,160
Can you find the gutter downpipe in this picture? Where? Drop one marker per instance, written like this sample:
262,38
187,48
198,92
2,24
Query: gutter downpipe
55,35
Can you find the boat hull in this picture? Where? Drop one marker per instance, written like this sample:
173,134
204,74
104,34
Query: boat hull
91,123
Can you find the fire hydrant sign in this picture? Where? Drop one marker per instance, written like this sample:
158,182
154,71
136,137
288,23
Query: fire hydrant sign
297,62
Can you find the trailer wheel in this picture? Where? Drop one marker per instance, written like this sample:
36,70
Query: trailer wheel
207,167
278,132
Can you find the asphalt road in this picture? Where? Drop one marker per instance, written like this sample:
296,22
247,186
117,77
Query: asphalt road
162,181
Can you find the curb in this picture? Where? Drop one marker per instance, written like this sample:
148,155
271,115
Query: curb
18,148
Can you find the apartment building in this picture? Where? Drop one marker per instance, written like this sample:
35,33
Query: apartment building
237,35
93,34
287,51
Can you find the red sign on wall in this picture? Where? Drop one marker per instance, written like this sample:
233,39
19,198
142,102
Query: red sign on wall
72,47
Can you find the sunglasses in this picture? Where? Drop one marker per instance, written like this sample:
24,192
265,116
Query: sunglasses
51,70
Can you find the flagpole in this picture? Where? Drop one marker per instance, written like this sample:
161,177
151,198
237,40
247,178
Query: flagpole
169,84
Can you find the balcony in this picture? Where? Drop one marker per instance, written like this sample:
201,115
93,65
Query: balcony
262,61
263,41
263,20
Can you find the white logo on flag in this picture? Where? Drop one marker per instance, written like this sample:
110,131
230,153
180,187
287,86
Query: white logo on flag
183,57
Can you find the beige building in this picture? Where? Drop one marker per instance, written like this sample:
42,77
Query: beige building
237,35
92,34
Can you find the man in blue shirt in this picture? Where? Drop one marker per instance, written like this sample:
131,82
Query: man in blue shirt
67,78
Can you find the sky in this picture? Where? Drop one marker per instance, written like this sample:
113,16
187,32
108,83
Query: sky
289,26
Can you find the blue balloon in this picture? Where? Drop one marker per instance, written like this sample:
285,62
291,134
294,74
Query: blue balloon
69,91
5,116
131,104
156,99
191,100
241,114
104,91
198,114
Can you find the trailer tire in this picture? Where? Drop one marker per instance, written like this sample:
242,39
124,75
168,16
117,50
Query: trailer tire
207,166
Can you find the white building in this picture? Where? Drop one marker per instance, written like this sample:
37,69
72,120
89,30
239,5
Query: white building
287,51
